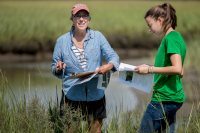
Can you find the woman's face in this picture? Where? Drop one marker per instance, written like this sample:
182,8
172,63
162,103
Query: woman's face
81,20
155,26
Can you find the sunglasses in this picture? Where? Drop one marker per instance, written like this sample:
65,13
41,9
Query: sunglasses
84,16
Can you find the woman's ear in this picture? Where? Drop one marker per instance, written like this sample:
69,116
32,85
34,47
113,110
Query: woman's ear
160,19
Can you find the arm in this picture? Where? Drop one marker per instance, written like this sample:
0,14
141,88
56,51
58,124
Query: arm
176,67
110,56
57,66
105,68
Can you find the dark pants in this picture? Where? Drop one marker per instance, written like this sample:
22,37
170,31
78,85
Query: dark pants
89,109
159,116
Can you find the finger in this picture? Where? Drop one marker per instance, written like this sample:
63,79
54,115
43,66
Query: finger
136,69
144,65
100,71
97,70
59,65
64,65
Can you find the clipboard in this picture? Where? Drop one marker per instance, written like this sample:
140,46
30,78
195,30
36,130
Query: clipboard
82,75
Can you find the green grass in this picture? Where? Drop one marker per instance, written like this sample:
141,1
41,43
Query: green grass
35,117
32,26
22,115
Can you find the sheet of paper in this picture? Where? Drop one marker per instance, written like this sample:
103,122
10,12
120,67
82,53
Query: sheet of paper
143,82
103,79
127,75
83,80
126,67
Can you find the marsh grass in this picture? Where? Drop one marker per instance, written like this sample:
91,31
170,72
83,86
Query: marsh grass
18,116
35,117
22,115
33,26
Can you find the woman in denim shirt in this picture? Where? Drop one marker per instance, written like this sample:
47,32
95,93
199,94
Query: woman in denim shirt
81,50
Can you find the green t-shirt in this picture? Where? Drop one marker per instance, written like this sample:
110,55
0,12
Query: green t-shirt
169,87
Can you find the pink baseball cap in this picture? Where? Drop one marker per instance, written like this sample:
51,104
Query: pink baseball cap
78,7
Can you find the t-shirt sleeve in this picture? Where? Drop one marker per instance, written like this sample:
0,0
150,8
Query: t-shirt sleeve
173,46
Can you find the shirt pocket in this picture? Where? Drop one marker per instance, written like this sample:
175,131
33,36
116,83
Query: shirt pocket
93,54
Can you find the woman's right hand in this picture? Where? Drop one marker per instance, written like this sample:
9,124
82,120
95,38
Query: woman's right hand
142,69
60,66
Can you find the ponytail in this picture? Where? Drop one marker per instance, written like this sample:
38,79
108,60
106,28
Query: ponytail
170,15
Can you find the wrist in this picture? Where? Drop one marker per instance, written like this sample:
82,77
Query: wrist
150,69
110,65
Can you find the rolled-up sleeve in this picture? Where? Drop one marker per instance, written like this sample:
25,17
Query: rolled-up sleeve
108,53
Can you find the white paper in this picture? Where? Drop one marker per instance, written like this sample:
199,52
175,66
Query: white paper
143,82
103,79
126,67
83,80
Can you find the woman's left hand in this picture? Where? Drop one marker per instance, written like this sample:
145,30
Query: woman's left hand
105,68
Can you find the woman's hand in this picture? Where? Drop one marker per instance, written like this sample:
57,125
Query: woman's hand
60,66
105,68
142,69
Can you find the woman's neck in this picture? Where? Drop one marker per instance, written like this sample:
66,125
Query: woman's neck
169,30
79,34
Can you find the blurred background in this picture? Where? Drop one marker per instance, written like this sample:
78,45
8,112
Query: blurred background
29,29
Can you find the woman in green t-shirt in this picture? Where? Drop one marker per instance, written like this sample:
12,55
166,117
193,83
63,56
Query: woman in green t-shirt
168,95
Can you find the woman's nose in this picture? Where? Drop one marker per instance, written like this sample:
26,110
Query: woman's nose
81,18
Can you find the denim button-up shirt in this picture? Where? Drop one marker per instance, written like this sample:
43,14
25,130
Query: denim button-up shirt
95,47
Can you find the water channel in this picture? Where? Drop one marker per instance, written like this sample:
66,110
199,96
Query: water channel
30,79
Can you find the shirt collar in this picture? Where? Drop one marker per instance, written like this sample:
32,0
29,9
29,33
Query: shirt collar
89,35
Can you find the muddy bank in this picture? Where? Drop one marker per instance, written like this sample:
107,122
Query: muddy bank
126,45
118,41
12,57
138,41
47,55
